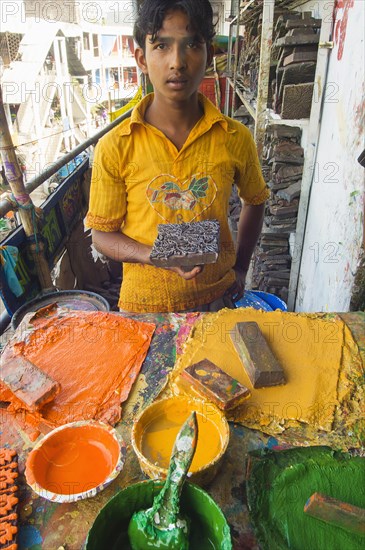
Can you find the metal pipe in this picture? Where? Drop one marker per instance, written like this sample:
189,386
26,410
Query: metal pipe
32,184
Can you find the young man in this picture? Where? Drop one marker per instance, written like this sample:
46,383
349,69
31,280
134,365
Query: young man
174,161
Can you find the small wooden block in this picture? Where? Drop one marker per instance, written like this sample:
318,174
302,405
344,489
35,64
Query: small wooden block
261,365
335,512
212,382
28,383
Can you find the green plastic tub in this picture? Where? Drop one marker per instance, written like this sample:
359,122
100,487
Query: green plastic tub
209,528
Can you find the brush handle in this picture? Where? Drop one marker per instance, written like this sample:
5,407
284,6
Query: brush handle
166,504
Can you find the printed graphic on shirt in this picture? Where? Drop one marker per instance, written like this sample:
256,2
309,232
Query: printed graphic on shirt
176,200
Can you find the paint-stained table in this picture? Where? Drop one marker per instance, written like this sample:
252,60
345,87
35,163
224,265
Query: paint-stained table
49,526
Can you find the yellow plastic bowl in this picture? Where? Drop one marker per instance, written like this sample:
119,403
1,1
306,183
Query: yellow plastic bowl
155,430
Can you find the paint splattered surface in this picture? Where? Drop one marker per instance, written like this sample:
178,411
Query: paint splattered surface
322,361
279,485
93,356
46,525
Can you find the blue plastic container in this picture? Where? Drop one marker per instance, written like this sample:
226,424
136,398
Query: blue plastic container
274,301
261,300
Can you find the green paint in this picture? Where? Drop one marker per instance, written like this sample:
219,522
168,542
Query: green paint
162,526
280,484
209,528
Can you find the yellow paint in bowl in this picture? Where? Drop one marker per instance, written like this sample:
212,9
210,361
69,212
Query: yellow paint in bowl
75,461
155,431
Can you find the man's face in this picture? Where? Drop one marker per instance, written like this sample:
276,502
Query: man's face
176,61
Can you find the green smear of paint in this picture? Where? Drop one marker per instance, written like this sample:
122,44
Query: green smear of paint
281,482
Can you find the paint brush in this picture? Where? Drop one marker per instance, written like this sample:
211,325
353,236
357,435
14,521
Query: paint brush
335,512
162,526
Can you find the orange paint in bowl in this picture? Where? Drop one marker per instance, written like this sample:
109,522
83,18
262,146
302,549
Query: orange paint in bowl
75,461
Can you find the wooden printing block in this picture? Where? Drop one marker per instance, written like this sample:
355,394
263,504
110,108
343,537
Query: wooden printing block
8,499
299,39
219,387
300,57
186,245
261,365
297,100
27,382
335,512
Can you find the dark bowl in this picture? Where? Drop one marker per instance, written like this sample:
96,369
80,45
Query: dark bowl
72,299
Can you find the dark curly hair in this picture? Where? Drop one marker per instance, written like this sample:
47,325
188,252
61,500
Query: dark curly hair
151,15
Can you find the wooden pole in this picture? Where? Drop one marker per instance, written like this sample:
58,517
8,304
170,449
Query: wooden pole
26,207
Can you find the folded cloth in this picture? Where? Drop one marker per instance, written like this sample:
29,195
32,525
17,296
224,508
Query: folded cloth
9,258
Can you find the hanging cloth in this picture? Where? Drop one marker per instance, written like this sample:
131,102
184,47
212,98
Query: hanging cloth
8,260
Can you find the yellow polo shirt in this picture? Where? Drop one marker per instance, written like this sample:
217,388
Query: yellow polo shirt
140,179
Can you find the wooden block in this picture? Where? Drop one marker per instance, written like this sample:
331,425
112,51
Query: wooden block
297,101
282,211
281,131
261,365
297,40
296,73
28,383
186,244
291,192
335,512
8,499
299,57
300,31
307,22
219,387
288,173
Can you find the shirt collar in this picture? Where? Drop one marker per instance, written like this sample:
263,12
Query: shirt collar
211,116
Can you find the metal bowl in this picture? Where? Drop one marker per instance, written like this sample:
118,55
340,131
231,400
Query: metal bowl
75,461
155,430
70,299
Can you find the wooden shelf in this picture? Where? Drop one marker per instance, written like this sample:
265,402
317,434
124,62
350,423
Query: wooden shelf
250,108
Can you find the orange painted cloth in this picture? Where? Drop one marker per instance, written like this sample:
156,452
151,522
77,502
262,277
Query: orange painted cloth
95,357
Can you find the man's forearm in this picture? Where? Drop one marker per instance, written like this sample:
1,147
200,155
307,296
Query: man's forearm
121,248
249,230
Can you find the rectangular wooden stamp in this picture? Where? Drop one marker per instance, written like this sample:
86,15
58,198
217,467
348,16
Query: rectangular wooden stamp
9,499
186,245
335,512
28,383
212,382
261,365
